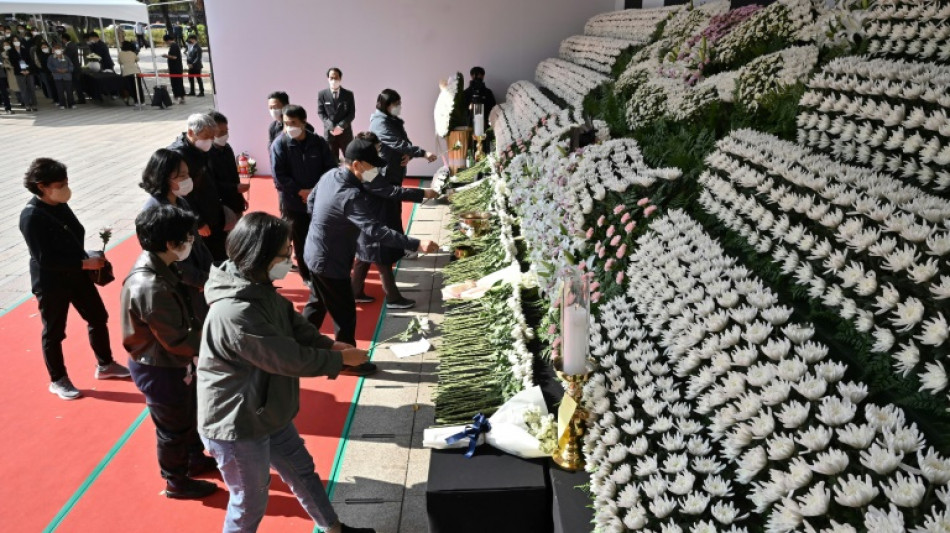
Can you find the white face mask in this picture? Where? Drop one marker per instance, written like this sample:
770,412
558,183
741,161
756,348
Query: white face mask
335,84
7,47
280,270
185,186
222,140
184,252
396,110
294,131
58,52
45,50
16,43
370,175
204,144
275,114
60,195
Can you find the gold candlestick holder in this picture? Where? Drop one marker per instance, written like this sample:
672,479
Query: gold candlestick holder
479,152
569,454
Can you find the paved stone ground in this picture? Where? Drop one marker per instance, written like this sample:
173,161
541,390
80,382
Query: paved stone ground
382,481
105,147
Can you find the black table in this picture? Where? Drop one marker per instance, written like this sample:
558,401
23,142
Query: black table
99,84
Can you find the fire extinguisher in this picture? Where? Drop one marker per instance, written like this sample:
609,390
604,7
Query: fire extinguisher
244,171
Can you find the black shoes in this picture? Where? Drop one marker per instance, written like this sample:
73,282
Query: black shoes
364,299
190,489
201,464
402,303
364,369
350,529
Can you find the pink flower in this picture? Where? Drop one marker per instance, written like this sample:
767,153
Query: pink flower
615,241
643,202
582,265
595,285
556,343
610,231
590,233
649,210
625,218
619,209
600,221
557,303
555,354
629,227
600,253
595,297
620,277
622,251
552,329
598,247
609,265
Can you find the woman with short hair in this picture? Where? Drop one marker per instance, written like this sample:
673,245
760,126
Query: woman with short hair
167,181
255,349
59,268
162,335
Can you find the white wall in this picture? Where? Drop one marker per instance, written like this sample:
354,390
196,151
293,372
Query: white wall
407,45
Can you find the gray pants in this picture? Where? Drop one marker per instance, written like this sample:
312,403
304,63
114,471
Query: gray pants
64,92
27,90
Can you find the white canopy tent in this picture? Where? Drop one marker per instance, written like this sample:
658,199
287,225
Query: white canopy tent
130,10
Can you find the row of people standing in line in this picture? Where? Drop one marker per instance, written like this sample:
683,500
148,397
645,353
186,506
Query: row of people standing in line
176,60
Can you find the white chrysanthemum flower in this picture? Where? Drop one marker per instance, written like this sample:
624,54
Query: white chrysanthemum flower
663,506
884,417
791,369
799,474
725,512
878,521
883,340
934,378
682,483
852,491
776,349
694,504
654,487
836,411
934,331
750,464
881,460
776,392
717,486
856,392
647,466
815,501
675,463
831,462
815,438
907,439
794,414
707,465
780,447
905,491
933,467
785,517
908,314
812,388
636,518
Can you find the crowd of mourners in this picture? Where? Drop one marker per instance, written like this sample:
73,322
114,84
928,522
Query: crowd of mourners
215,349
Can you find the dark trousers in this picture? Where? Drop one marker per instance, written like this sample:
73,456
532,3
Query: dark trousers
299,227
134,87
178,85
386,276
49,87
191,81
64,92
338,143
77,86
334,296
172,404
216,245
78,290
4,91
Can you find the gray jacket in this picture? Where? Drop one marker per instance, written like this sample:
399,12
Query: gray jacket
254,349
158,326
395,144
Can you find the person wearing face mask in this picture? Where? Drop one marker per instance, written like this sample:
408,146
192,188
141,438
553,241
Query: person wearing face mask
275,106
61,69
20,61
193,145
167,182
175,68
342,210
193,56
223,166
102,50
41,53
298,159
397,150
254,351
162,336
71,51
58,265
337,109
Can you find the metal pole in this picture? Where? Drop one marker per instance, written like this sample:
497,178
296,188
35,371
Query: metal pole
151,41
43,25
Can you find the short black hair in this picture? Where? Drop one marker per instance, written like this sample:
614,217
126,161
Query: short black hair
92,34
158,225
368,136
192,36
335,69
158,172
476,71
387,98
295,111
218,117
280,96
127,46
255,241
43,170
168,37
67,37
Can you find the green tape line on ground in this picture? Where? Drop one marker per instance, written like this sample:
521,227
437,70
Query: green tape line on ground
61,515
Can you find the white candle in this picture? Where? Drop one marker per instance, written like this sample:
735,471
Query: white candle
574,342
479,125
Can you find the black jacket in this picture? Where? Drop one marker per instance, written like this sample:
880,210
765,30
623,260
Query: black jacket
204,199
341,211
175,65
478,93
71,51
102,50
193,56
158,325
277,127
298,165
16,57
55,239
339,112
223,166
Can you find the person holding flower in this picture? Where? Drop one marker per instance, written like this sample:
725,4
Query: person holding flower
59,272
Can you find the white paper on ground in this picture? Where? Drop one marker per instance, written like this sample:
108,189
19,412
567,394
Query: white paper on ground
408,349
509,274
509,433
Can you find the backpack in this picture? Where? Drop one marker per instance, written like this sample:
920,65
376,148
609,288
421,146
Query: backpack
160,97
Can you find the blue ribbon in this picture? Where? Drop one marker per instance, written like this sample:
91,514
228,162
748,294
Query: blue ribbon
479,425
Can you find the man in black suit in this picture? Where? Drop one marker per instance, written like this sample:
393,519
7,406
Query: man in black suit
101,49
193,56
337,109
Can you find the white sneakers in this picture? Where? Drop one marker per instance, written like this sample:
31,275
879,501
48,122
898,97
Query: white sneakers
112,371
64,389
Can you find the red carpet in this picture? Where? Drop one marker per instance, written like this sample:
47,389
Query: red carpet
52,447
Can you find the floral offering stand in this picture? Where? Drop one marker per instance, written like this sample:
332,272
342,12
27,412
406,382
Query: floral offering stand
758,200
